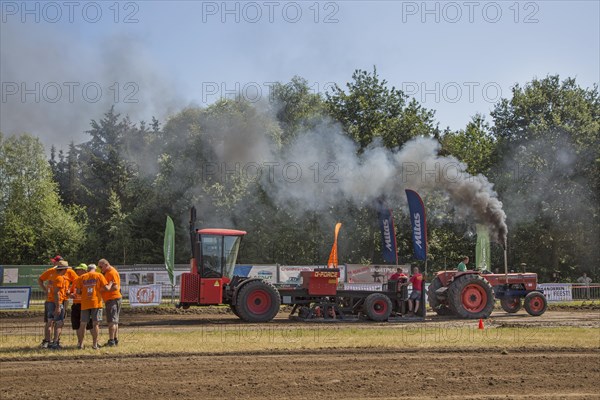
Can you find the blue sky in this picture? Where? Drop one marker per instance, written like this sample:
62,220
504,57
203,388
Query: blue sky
457,58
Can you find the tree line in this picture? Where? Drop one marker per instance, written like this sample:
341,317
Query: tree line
109,196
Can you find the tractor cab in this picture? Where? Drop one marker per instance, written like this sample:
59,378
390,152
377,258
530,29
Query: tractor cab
214,253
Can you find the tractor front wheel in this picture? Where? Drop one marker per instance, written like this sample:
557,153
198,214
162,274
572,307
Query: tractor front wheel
511,304
471,296
378,307
257,301
535,304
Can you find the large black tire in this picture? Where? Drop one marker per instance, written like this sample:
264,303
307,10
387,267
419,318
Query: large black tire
434,303
535,304
470,296
378,307
510,304
234,310
257,301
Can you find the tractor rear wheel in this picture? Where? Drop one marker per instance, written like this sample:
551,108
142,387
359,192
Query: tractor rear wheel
378,307
234,310
257,301
511,304
535,304
471,296
434,302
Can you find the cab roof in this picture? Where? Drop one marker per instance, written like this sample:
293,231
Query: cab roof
223,232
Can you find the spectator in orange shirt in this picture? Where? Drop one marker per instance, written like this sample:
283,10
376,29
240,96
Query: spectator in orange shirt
45,282
46,277
76,307
90,286
60,287
112,298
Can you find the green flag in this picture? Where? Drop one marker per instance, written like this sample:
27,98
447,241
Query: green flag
482,252
169,248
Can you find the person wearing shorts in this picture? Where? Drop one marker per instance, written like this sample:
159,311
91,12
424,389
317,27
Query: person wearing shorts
417,283
112,298
60,286
45,282
90,286
76,307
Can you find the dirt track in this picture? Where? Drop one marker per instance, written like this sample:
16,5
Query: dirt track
327,374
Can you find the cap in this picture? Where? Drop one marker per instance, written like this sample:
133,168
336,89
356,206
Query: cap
81,266
57,258
62,265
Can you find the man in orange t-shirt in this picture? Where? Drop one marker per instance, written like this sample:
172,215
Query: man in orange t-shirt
45,282
60,288
112,298
76,307
90,286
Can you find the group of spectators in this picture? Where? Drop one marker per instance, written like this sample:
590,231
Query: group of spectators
91,291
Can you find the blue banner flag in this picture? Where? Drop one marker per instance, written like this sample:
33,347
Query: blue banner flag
388,234
419,224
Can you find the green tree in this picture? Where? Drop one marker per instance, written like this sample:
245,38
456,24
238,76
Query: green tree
33,223
371,110
296,107
475,145
549,143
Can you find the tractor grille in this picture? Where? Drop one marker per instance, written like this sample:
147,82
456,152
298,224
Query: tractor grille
190,288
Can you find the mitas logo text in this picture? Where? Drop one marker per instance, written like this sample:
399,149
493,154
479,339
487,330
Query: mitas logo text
386,234
417,230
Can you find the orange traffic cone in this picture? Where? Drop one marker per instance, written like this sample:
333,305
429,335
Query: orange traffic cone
480,323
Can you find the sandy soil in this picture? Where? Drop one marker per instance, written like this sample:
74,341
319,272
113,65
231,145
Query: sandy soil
323,375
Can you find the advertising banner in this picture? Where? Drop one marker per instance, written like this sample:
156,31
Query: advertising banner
419,224
291,274
388,234
12,298
482,249
148,295
356,273
557,291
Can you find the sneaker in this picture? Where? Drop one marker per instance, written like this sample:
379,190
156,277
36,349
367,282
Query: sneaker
55,346
80,346
116,342
44,344
111,343
96,346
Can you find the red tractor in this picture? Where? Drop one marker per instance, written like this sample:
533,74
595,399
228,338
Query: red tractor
472,295
211,281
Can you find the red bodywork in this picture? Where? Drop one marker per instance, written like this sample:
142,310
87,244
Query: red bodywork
528,279
321,282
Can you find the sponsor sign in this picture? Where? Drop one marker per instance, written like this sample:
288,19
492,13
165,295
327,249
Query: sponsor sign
419,224
557,291
291,274
388,234
356,273
148,295
12,298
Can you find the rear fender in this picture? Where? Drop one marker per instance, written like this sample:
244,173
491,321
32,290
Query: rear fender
446,277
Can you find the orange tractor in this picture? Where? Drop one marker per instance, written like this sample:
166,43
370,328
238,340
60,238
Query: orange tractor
472,295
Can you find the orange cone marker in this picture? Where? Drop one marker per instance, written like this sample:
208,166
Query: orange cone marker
480,323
